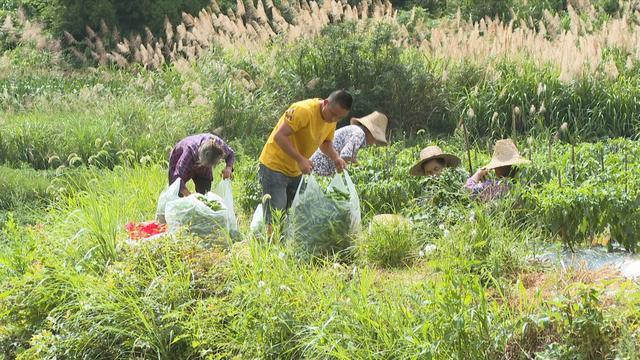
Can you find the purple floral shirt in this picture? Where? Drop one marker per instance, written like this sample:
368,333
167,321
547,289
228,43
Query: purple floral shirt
184,157
347,141
487,190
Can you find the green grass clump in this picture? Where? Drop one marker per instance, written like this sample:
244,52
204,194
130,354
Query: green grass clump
389,242
23,188
486,243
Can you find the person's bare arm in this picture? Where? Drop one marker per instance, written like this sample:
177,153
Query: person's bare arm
480,175
282,139
327,148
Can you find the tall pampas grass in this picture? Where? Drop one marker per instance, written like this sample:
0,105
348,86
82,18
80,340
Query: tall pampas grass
574,53
251,26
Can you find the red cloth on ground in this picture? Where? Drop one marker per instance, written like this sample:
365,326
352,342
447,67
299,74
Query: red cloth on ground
145,229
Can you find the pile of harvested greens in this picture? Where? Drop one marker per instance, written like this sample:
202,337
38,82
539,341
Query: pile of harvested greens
211,204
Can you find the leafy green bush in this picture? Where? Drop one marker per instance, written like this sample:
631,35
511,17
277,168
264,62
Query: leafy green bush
10,4
579,213
382,178
581,327
381,74
249,190
478,9
610,7
384,184
485,242
534,9
587,105
583,191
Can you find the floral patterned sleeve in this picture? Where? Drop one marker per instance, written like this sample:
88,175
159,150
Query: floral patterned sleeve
474,186
356,140
487,190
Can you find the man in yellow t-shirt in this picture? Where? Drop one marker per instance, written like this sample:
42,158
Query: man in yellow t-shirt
306,126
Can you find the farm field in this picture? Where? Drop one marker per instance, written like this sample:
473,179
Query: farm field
548,271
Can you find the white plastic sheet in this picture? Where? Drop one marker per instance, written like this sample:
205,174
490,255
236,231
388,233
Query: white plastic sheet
169,194
257,222
225,191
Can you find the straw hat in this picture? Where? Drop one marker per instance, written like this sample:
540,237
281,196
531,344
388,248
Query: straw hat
376,123
433,152
505,153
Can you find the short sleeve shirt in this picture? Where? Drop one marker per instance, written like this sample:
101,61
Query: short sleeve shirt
309,131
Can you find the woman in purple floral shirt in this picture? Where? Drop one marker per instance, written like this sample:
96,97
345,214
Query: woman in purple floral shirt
348,140
193,159
505,158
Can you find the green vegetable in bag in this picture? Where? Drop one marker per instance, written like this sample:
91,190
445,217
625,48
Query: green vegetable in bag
320,224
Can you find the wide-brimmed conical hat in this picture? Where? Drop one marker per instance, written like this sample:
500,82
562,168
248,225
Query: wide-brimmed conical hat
376,123
505,153
433,152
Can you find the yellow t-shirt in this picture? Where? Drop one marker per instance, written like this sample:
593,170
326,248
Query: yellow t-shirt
309,131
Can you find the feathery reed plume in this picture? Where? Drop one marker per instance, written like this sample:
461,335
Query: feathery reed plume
115,35
104,29
22,16
7,25
90,33
80,57
574,54
188,20
123,47
148,35
119,60
69,39
214,7
240,10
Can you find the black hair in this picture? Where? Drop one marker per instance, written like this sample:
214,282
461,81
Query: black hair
342,98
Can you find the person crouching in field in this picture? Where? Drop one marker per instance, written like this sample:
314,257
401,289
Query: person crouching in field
348,140
504,161
306,126
193,159
432,161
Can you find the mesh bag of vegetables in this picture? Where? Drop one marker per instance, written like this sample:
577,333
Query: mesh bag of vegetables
322,223
200,214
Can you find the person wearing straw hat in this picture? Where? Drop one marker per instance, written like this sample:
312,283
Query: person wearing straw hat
432,161
505,158
348,140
